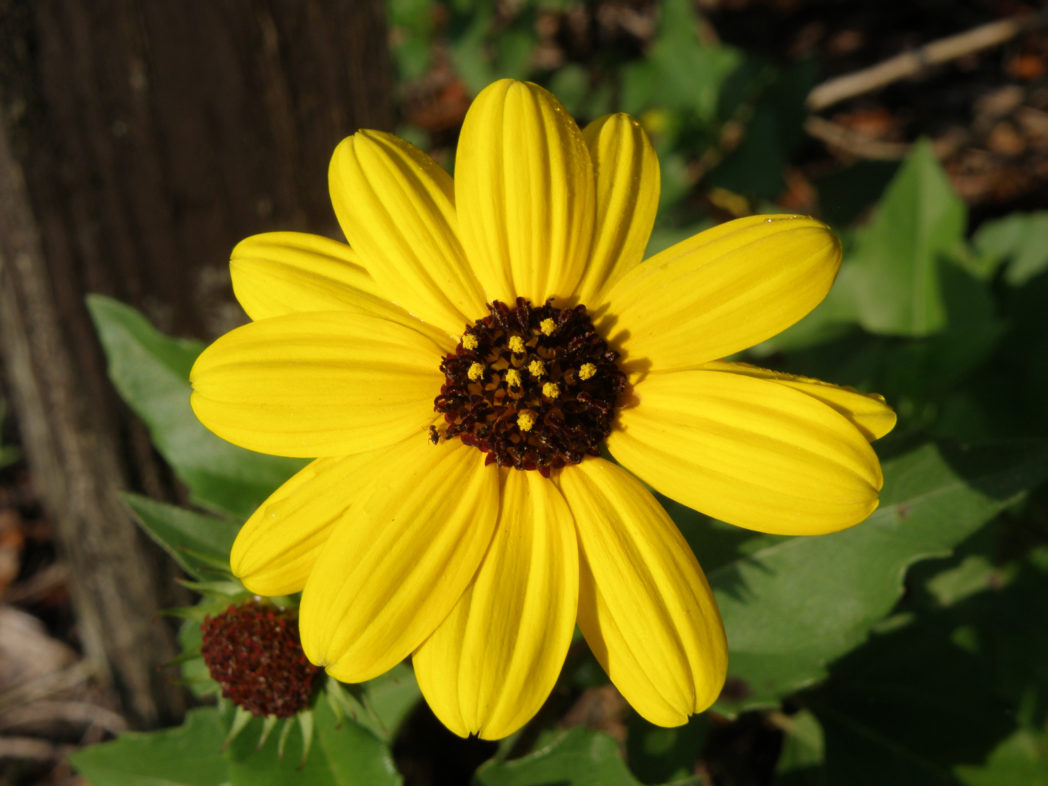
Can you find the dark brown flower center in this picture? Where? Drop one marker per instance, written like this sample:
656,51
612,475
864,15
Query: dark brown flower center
254,653
533,387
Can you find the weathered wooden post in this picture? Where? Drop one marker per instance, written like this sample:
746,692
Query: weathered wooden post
140,141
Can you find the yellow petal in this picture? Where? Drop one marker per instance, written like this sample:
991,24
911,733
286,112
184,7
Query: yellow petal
278,546
396,207
279,273
720,291
524,188
627,200
748,451
491,664
867,411
644,605
317,384
400,559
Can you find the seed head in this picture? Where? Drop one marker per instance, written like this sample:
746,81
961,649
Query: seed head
254,653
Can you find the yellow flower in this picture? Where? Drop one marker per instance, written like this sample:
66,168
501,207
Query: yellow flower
458,509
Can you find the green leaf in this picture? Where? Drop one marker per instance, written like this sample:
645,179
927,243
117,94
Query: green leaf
1020,760
355,755
412,14
515,48
342,754
927,380
755,168
891,279
846,193
194,671
902,274
381,704
577,757
391,697
951,695
196,541
798,603
411,34
676,218
190,755
714,542
1021,239
411,56
467,45
151,373
658,755
583,99
680,70
803,752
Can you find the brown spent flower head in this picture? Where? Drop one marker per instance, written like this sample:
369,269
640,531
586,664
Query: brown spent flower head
254,653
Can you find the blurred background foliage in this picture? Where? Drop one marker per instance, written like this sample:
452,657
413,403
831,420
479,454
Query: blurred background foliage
908,650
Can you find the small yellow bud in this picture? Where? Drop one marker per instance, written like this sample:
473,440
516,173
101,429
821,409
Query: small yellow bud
516,345
513,378
469,341
551,390
587,370
537,368
476,371
525,421
547,326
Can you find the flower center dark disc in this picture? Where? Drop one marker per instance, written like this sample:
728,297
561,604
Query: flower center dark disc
533,387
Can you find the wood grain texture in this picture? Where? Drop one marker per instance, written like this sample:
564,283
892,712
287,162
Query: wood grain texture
140,142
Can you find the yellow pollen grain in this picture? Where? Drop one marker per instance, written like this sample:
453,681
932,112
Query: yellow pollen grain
537,368
476,371
513,378
551,390
547,326
587,370
469,341
525,421
516,345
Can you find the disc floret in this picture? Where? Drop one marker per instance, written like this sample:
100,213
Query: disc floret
535,388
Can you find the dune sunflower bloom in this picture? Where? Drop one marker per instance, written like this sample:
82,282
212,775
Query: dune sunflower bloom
455,371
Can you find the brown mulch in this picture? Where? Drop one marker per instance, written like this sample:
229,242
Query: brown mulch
51,702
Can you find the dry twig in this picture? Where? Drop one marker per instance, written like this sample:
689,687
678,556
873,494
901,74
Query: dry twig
71,713
859,145
910,64
32,749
